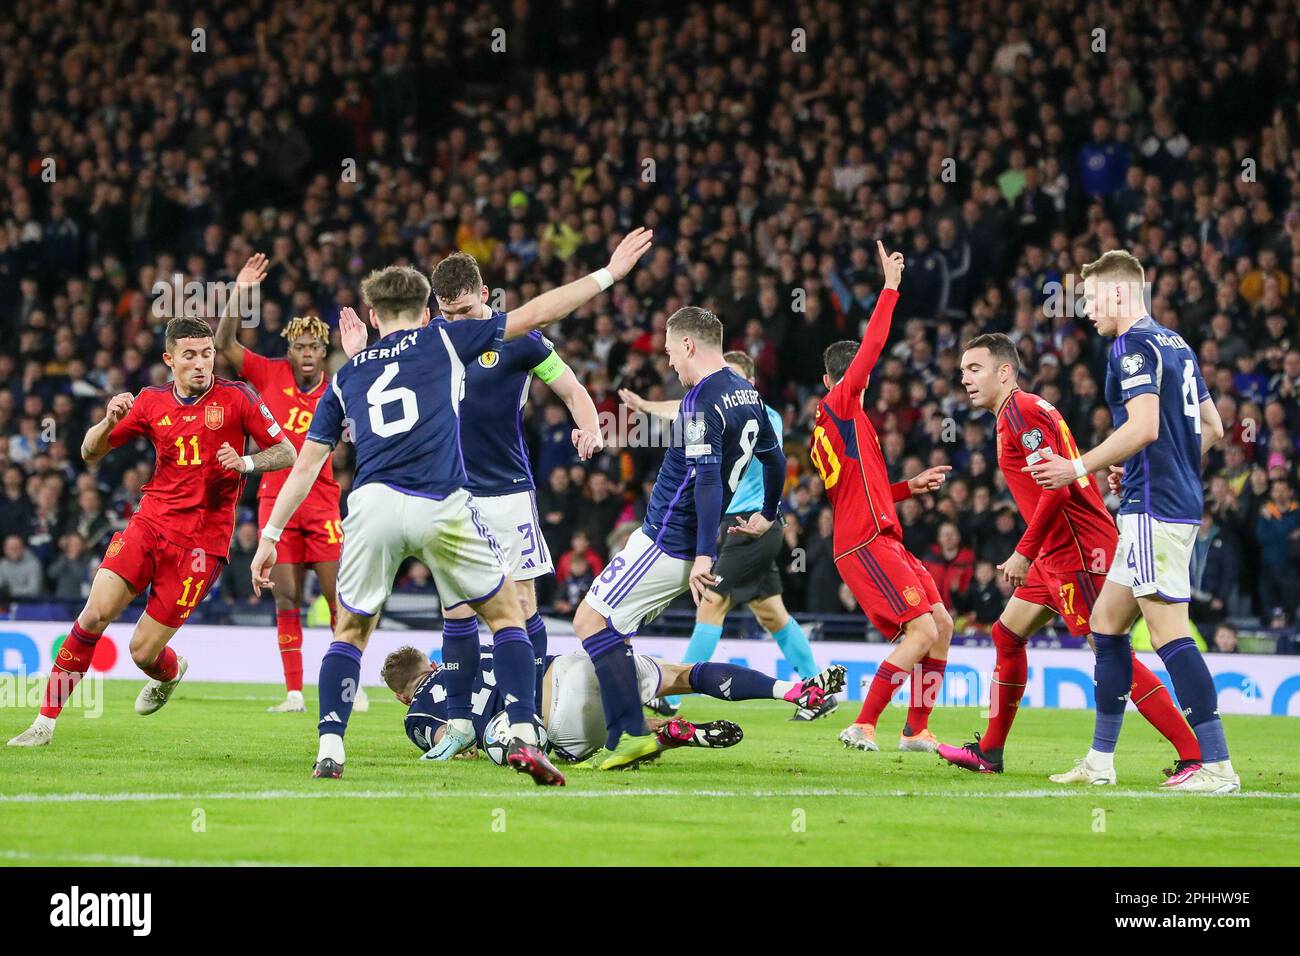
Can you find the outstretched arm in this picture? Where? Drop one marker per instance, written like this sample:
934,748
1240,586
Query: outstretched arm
557,303
295,489
882,318
635,402
586,437
249,278
95,444
1140,430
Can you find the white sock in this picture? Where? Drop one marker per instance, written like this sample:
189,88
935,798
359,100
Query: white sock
462,726
1222,768
331,748
781,688
1099,760
294,695
525,732
46,722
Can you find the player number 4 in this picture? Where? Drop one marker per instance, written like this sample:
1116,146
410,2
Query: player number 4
1191,406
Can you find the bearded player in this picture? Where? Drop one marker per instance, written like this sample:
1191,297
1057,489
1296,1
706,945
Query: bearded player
1058,567
891,585
1165,422
291,387
177,542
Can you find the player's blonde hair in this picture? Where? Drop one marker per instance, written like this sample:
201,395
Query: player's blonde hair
396,291
307,325
1118,263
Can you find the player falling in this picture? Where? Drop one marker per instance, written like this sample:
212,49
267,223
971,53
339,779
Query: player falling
291,387
746,569
177,542
492,445
1165,422
891,585
400,399
1058,567
721,426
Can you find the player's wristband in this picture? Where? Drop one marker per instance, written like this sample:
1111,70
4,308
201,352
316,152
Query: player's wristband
604,278
1079,470
249,467
271,533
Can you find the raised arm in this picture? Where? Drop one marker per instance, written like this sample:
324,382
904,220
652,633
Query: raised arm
557,303
587,438
882,318
635,402
95,445
249,278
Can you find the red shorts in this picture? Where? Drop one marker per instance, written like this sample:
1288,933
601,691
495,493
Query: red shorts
1070,594
890,584
177,578
313,535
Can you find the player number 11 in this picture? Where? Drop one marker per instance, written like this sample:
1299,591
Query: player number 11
194,447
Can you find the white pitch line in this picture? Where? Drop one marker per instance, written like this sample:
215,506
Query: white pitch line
1092,793
114,860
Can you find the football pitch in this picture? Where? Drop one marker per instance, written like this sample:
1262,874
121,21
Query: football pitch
214,780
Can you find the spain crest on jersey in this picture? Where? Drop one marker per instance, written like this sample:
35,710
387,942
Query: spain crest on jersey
214,416
911,595
489,359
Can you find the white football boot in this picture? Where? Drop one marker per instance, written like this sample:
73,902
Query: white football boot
859,737
1205,778
156,693
1096,769
293,704
360,703
39,734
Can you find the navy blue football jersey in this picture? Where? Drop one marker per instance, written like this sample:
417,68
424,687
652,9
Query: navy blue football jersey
722,423
428,710
399,400
1163,479
492,413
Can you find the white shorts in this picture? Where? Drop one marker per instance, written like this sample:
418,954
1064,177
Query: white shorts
513,521
1154,557
575,723
638,583
385,526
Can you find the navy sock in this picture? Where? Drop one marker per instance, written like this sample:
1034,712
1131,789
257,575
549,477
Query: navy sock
536,628
1194,687
512,663
1114,677
460,655
620,693
340,677
729,682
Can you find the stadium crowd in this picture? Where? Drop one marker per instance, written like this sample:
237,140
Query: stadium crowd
767,145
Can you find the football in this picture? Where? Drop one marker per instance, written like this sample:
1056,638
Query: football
496,737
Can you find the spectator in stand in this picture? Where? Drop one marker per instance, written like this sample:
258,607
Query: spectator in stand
1225,639
983,600
579,546
1213,573
70,573
577,580
951,564
21,576
1278,532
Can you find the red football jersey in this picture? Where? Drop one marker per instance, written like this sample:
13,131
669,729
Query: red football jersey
1069,529
293,409
191,499
846,449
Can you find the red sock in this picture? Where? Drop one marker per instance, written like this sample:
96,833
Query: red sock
288,626
887,680
926,682
1154,703
1010,673
163,667
334,614
69,667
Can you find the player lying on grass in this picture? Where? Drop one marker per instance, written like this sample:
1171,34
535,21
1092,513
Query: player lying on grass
747,569
1165,422
492,443
1060,564
176,544
571,710
722,425
892,587
398,402
291,387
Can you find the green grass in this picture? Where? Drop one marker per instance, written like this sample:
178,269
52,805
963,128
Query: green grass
212,779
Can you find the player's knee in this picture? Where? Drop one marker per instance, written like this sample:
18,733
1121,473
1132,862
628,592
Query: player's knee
142,654
96,616
924,631
943,624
